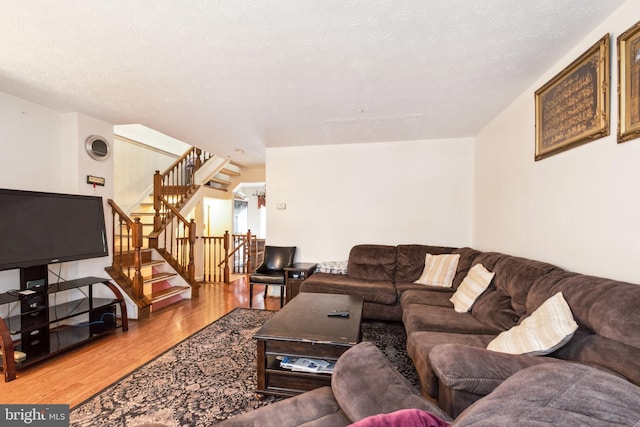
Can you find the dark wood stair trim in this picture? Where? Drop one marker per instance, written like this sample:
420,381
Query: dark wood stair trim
157,277
168,293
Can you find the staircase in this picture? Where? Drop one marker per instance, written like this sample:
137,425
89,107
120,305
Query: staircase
153,254
222,180
161,282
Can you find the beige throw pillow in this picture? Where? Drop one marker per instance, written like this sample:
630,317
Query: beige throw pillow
475,283
548,328
439,270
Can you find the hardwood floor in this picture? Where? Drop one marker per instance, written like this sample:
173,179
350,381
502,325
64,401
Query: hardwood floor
76,375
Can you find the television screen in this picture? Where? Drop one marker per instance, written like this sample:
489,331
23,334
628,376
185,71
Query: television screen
39,228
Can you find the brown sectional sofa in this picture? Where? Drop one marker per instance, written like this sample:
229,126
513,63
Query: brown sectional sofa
379,274
563,394
448,348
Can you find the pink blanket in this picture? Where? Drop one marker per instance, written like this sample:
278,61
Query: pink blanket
402,418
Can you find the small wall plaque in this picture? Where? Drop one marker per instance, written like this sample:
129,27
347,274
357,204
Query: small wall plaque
95,180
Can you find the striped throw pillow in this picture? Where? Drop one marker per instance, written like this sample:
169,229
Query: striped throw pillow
547,329
475,283
439,270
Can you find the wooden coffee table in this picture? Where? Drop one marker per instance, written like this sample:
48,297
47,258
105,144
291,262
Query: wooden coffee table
302,328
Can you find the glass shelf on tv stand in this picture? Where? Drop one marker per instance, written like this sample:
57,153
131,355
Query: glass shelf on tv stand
63,326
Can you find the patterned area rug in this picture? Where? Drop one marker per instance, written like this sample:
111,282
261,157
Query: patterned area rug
209,376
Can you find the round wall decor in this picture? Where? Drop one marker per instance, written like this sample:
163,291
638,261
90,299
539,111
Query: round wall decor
97,147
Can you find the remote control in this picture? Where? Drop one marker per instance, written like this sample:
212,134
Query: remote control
338,313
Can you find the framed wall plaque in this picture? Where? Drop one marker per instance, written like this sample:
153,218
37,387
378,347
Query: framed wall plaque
573,107
629,84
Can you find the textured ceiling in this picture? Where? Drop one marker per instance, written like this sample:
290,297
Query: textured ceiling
252,74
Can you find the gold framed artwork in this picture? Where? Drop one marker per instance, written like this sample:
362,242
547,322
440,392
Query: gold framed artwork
573,107
629,84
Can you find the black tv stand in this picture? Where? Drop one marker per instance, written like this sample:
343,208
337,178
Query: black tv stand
44,327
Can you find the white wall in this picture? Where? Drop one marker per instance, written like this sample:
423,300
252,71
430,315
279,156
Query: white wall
386,193
578,209
43,150
134,166
153,138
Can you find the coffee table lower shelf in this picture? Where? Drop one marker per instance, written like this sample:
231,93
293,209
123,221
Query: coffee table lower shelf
282,382
273,380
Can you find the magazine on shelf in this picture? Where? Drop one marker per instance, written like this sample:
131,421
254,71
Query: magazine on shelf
303,364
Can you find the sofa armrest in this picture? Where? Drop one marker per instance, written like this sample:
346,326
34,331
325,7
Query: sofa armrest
565,394
317,405
478,370
365,383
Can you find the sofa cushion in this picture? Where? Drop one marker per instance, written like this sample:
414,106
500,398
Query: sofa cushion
372,262
439,270
477,280
426,297
515,276
361,395
417,317
604,306
606,311
466,261
545,330
564,394
478,370
405,281
410,260
420,344
378,291
593,349
493,308
337,419
503,304
488,259
402,287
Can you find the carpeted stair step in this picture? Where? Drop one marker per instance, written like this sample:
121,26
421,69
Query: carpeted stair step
158,277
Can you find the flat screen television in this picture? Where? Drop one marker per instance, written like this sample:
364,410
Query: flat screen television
38,228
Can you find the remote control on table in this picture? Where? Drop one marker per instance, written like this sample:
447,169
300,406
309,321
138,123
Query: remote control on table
338,313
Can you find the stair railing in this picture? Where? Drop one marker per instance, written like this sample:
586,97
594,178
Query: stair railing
218,255
215,250
177,182
242,252
127,241
175,238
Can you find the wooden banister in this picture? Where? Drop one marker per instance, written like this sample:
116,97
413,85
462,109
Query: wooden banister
127,256
219,251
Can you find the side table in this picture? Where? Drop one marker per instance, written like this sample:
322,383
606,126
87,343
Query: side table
295,275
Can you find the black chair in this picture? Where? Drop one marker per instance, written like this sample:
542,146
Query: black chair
271,271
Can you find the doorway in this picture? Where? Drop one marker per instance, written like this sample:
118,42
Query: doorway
240,216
